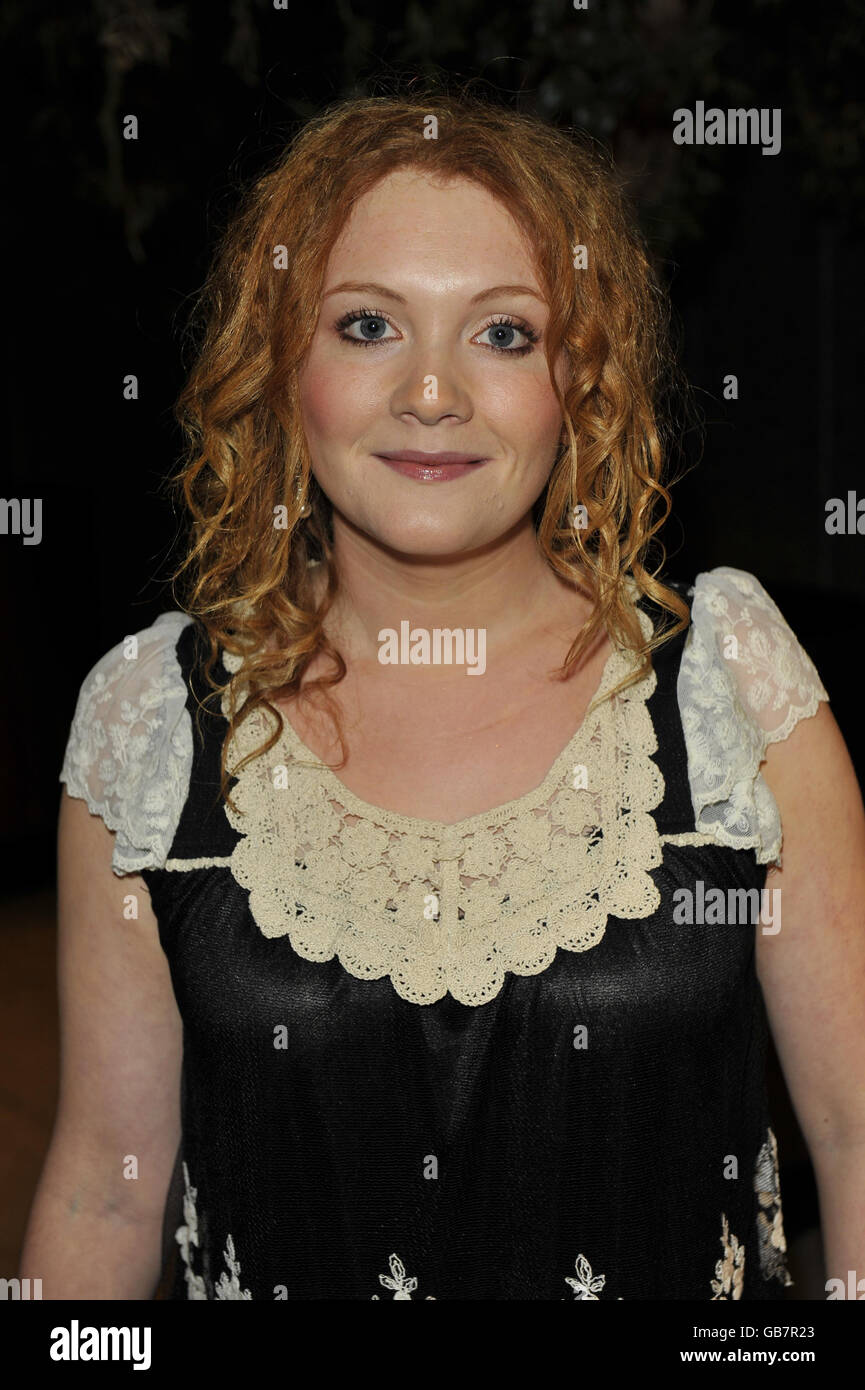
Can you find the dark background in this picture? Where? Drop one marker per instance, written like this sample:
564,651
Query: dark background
108,240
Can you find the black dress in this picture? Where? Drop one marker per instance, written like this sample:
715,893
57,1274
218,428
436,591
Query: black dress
588,1120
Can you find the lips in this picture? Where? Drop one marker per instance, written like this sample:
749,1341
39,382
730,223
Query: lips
431,460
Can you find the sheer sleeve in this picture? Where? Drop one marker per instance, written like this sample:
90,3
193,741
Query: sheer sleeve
744,682
129,751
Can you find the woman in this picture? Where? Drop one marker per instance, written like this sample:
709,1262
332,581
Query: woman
412,936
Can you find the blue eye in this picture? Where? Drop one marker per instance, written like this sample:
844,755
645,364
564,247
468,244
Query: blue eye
373,327
503,331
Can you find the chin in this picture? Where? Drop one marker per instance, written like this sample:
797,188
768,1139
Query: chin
434,540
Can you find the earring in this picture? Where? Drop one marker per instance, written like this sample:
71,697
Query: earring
298,493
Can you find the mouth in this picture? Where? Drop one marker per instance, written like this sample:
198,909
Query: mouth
430,467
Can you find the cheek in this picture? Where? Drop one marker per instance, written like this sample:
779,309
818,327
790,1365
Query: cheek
319,397
526,408
335,397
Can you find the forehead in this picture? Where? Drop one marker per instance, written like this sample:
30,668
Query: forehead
414,223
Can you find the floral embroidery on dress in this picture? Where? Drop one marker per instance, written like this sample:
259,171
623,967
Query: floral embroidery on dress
729,1272
230,1287
402,1286
727,1284
586,1286
186,1236
770,1224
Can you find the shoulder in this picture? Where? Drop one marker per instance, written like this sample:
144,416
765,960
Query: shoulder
740,640
129,749
745,682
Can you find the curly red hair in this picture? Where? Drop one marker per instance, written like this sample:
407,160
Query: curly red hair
246,578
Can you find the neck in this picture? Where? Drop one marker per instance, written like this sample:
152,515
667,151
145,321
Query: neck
507,588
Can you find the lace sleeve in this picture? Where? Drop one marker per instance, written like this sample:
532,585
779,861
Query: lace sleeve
129,751
744,682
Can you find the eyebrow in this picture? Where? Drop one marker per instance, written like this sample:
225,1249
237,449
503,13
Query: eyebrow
384,293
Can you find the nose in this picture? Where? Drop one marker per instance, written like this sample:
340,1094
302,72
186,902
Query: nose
431,389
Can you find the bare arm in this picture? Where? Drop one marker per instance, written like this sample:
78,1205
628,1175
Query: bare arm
813,971
94,1232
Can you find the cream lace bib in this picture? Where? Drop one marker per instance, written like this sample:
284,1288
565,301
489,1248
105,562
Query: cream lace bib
439,907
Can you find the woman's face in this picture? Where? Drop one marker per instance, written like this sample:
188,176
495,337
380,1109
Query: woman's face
430,339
